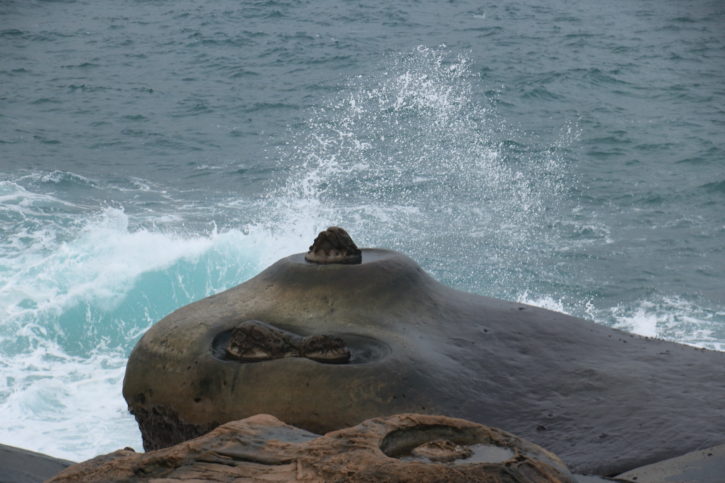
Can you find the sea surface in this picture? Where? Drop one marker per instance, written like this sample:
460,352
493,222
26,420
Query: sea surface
566,154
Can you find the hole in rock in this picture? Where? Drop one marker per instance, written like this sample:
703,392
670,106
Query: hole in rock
443,444
285,344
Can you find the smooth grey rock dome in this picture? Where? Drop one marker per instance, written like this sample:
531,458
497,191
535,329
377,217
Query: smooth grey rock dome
603,400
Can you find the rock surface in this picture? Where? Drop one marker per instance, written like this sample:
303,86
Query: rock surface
254,341
702,466
603,400
19,465
262,448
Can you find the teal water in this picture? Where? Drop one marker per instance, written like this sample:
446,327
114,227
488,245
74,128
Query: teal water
571,156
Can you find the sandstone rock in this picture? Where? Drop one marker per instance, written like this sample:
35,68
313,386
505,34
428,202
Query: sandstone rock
603,400
253,340
334,245
396,448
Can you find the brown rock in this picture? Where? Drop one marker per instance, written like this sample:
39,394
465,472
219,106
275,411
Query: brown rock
334,245
403,447
254,341
325,348
442,451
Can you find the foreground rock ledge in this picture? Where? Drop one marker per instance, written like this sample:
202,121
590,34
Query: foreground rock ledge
404,447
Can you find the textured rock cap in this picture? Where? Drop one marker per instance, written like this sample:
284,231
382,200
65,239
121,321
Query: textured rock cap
334,245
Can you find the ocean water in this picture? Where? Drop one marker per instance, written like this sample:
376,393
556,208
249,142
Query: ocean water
570,155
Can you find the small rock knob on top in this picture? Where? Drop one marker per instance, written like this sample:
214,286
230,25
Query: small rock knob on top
334,245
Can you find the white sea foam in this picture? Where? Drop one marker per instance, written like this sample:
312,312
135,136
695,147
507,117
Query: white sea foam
68,407
543,301
16,200
671,318
99,265
56,177
73,306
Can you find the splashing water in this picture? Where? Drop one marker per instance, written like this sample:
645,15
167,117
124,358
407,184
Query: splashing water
74,306
413,160
412,157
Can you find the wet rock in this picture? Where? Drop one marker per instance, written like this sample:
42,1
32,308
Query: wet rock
442,451
278,344
262,448
19,465
701,466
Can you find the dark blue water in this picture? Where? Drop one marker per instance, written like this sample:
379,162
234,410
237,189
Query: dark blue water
566,154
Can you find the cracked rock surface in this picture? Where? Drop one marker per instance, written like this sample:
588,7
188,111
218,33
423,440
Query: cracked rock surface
393,448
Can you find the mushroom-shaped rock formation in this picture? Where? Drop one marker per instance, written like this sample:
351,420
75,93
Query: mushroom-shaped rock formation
383,337
393,448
